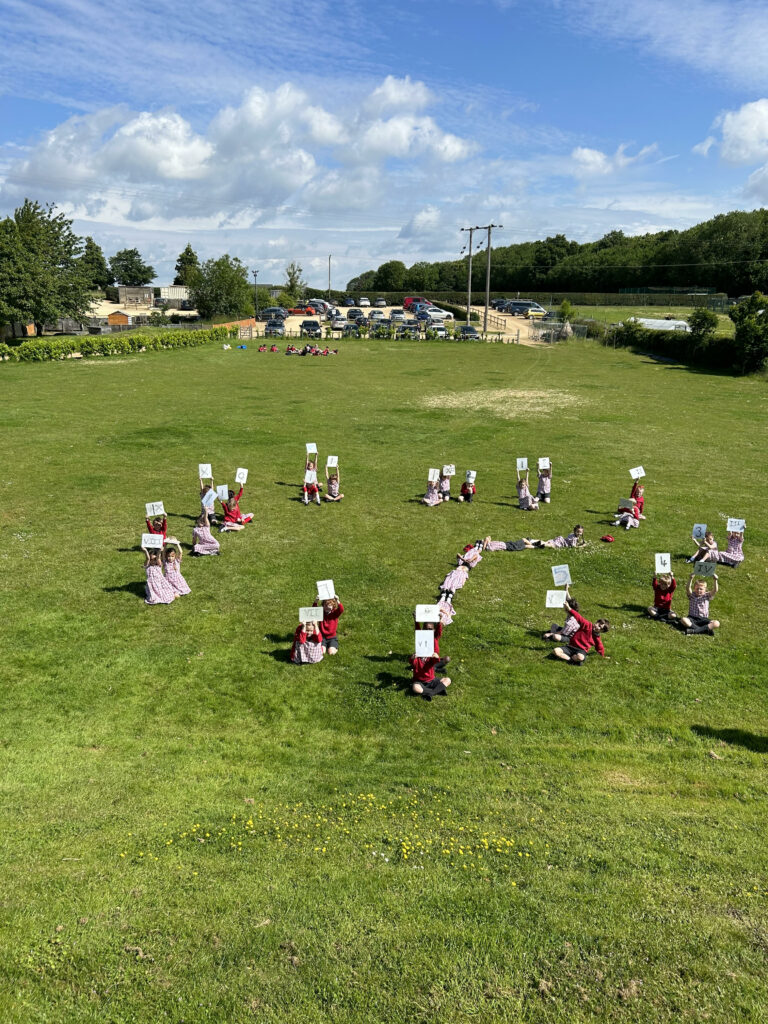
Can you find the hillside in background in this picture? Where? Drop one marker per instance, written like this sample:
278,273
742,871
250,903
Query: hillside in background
728,254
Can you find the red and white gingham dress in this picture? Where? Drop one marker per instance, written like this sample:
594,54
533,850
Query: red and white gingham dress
176,580
496,545
205,542
455,579
159,590
545,483
447,611
333,488
431,497
524,495
306,651
472,557
733,554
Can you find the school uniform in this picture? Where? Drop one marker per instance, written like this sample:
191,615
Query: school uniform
525,499
329,625
662,599
698,612
544,488
445,488
733,554
468,491
306,649
583,640
424,673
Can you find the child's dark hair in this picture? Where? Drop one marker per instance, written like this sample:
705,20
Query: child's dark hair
573,605
602,624
578,526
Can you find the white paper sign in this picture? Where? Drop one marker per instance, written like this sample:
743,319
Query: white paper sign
427,613
311,448
325,590
204,471
424,643
522,465
627,503
241,476
155,508
706,568
471,476
561,575
151,540
434,476
556,598
310,477
544,463
311,614
663,562
449,470
222,492
333,462
637,472
737,525
699,530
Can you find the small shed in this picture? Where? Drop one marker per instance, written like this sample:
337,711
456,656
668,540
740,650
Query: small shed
135,296
118,317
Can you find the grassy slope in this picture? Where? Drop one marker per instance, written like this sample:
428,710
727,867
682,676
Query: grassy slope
644,893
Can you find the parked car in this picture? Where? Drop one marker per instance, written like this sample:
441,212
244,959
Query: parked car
423,317
467,333
436,330
273,312
519,307
351,330
409,300
410,330
275,328
535,313
381,303
311,329
498,304
302,310
439,314
397,316
380,330
376,314
338,323
355,314
349,301
364,302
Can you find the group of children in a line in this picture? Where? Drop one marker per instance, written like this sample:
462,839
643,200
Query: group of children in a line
163,567
439,490
307,350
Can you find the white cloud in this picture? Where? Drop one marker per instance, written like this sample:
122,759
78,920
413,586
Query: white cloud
589,163
702,148
745,133
427,222
398,94
406,136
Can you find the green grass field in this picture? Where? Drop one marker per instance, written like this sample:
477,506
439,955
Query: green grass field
616,314
197,830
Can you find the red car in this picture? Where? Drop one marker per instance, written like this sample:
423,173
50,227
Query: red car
411,299
302,311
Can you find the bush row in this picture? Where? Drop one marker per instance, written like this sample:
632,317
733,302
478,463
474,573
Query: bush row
713,353
39,350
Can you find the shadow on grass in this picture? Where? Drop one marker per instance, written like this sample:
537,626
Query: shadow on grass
135,587
734,737
387,679
279,654
278,638
635,608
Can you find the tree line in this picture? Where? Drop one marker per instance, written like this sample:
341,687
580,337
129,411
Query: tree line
48,272
728,253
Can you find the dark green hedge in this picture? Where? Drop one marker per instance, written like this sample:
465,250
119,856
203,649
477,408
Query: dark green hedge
714,353
39,350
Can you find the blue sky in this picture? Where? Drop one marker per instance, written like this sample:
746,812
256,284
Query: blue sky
285,130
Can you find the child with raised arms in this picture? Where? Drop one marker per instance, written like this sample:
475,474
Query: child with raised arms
706,549
697,620
664,587
525,499
310,492
733,554
333,480
307,648
432,495
333,609
544,488
172,561
234,519
159,589
445,488
208,501
424,683
637,494
204,541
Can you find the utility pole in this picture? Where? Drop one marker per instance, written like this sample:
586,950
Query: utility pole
469,272
487,228
329,278
255,294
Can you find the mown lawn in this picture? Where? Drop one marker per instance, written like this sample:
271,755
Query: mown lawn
196,830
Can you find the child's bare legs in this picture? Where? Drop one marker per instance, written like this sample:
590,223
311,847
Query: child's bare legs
329,497
418,688
227,527
560,653
558,637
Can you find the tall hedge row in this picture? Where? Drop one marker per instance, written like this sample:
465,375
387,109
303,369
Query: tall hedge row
39,350
713,353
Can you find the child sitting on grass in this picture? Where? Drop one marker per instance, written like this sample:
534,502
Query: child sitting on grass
307,648
663,588
697,620
204,541
424,683
733,554
586,637
706,549
525,499
159,589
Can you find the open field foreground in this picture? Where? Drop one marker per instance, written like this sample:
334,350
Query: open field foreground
197,830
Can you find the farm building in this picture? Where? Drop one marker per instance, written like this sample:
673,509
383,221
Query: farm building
139,296
119,318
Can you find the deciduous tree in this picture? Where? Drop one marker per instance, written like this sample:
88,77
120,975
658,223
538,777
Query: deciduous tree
129,268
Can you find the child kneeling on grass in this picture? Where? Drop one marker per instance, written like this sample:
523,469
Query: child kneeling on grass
584,639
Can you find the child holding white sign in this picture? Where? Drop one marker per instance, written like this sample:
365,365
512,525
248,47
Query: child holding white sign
424,683
234,519
333,480
697,620
445,485
707,549
204,541
544,489
586,637
172,560
310,489
159,589
432,496
664,587
733,554
525,499
468,490
638,495
333,609
208,501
